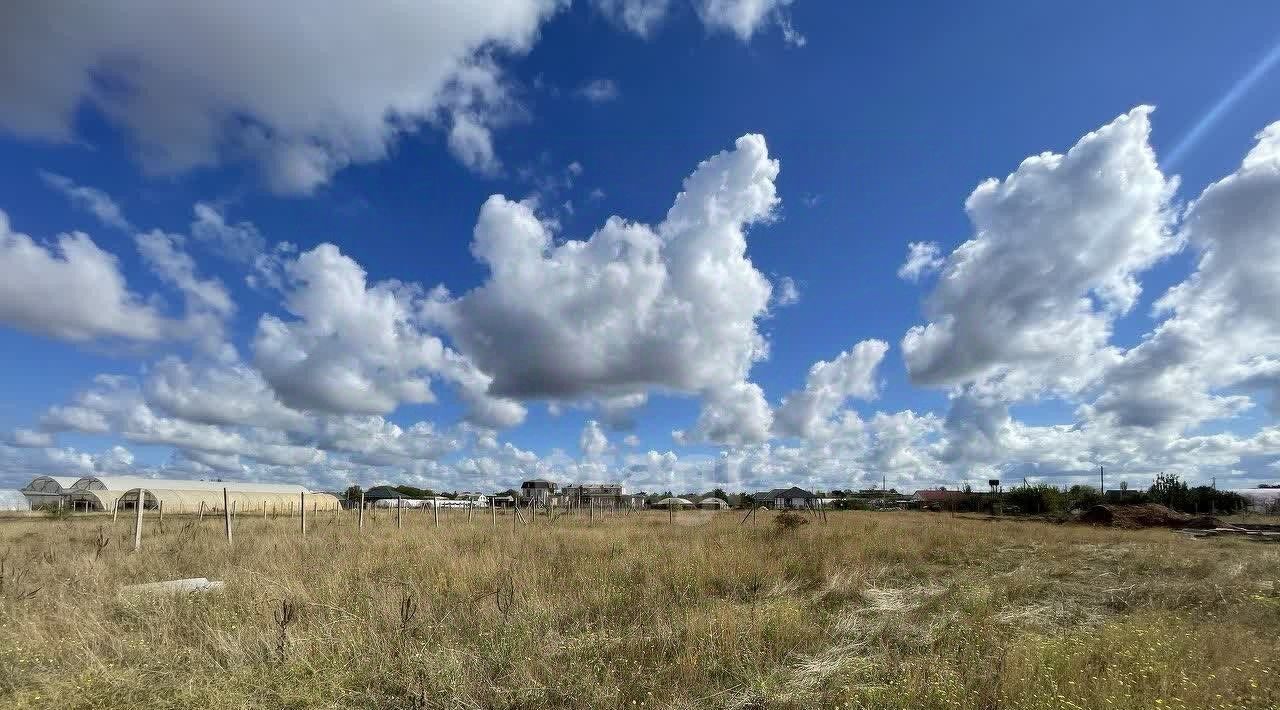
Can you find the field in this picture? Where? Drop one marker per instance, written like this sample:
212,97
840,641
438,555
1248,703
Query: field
866,610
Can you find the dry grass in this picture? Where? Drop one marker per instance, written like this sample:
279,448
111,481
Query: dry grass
909,610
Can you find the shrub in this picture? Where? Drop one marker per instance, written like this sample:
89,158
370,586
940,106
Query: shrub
789,520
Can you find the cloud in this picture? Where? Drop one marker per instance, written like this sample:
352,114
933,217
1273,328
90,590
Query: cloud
198,85
593,442
743,18
359,348
239,242
852,374
641,17
733,415
598,91
1222,328
1027,303
165,255
90,199
634,307
71,290
226,394
923,258
74,418
29,438
472,144
788,293
351,347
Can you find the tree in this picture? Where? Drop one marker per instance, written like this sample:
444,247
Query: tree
1036,499
414,492
720,493
1079,496
1169,490
353,493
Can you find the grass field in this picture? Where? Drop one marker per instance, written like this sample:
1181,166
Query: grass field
867,610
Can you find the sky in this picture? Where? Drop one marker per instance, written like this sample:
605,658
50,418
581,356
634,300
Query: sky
678,244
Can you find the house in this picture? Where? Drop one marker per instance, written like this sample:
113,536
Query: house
712,503
937,499
601,495
780,498
587,494
537,490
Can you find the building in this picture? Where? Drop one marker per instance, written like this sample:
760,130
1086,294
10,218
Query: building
48,491
538,490
937,499
103,492
780,498
674,503
711,503
601,495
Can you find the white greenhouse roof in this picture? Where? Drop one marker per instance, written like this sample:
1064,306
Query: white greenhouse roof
125,483
674,501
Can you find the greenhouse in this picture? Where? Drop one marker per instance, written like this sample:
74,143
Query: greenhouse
241,502
12,501
48,491
102,493
674,503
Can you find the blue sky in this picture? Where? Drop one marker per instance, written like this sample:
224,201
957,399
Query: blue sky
882,121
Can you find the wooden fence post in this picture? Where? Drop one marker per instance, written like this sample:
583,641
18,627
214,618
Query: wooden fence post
399,512
361,511
137,520
115,510
226,515
302,518
435,510
161,512
493,507
201,518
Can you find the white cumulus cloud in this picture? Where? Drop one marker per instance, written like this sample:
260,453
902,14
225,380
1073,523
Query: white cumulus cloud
203,83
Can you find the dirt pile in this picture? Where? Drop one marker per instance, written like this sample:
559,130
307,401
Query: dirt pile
1147,515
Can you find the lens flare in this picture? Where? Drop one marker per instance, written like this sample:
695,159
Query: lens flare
1219,109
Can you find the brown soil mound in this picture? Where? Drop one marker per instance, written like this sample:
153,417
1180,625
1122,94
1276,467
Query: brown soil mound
1147,515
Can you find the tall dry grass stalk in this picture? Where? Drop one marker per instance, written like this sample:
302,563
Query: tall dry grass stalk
910,610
